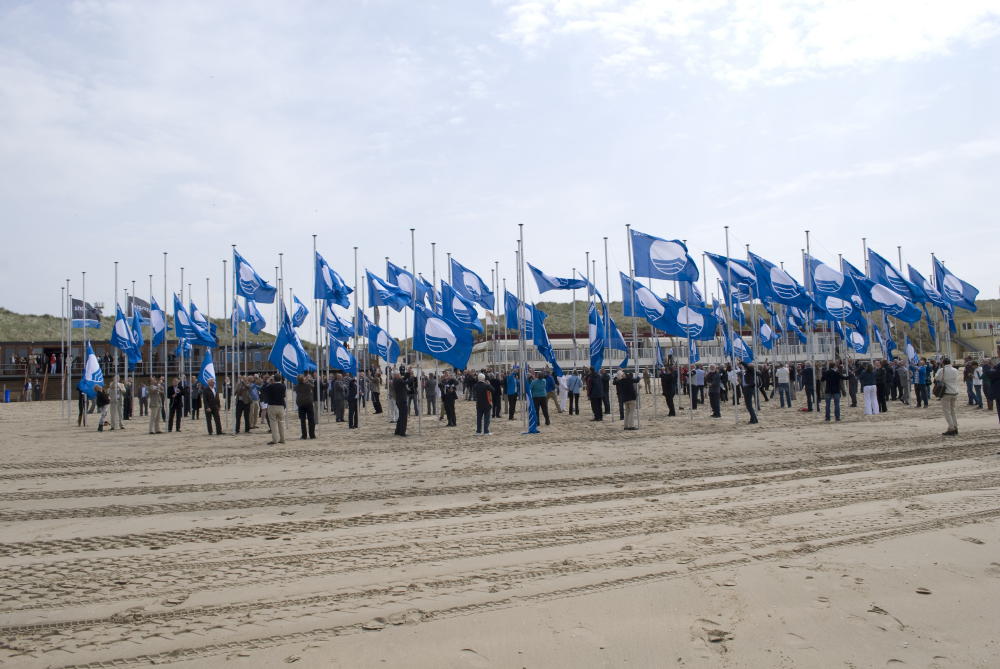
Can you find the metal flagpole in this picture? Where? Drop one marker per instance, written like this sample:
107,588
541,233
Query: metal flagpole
573,276
871,324
496,322
691,363
732,323
413,259
190,358
228,349
357,326
812,318
86,315
521,328
136,368
754,327
607,304
505,323
490,353
67,361
635,327
318,348
387,311
166,372
115,347
62,351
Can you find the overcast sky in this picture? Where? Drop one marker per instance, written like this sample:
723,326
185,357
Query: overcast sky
133,128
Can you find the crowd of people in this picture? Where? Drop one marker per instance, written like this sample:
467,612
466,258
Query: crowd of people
261,398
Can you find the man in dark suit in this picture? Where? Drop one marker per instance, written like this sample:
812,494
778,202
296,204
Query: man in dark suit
175,396
210,403
399,389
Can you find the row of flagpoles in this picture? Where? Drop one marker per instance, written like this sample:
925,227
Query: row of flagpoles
445,313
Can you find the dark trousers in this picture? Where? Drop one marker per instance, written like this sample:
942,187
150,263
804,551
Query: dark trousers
621,408
921,391
511,406
596,404
606,401
352,413
209,415
749,392
852,391
338,410
836,405
764,394
483,419
670,405
497,408
242,409
143,406
882,394
810,396
542,407
714,399
401,421
376,403
449,411
307,420
175,411
574,403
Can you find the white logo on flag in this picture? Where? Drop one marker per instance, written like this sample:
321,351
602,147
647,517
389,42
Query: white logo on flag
667,257
783,284
438,335
890,301
690,321
290,361
839,308
953,288
471,283
248,282
649,303
827,279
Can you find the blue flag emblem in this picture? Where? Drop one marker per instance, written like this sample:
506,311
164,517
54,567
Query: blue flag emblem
249,284
207,368
657,258
288,354
328,285
299,317
439,339
955,291
341,358
469,285
458,310
92,374
548,282
255,319
381,344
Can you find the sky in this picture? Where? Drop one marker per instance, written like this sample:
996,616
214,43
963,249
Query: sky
137,128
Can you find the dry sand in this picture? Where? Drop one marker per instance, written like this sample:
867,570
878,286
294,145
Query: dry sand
690,543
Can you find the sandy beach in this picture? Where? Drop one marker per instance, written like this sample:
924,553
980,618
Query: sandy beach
692,542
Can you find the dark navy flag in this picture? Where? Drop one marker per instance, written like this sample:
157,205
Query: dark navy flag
547,282
882,271
92,374
255,319
328,285
777,284
931,293
299,316
121,335
249,284
469,285
85,315
955,291
207,368
382,293
381,344
516,313
595,332
829,282
858,340
439,339
930,324
657,258
183,326
766,334
139,306
458,310
341,358
336,325
688,293
741,272
288,355
158,323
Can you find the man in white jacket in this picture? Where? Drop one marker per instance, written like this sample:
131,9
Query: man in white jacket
951,379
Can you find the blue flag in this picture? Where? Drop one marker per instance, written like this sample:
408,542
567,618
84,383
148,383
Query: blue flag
657,258
741,350
183,326
688,293
777,284
669,315
341,358
693,355
336,325
882,271
458,310
255,319
207,368
532,418
381,344
469,285
515,313
137,330
249,284
158,323
547,282
299,316
121,335
85,315
829,282
659,353
911,352
362,323
858,340
595,331
328,285
288,354
741,273
767,336
183,349
930,324
875,296
404,279
441,340
794,326
382,293
615,339
205,330
955,291
236,317
931,294
542,342
949,313
92,374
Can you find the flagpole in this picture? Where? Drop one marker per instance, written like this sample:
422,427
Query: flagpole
190,358
413,276
354,319
871,325
86,315
166,372
590,301
496,323
691,361
635,327
62,351
731,302
67,362
317,348
115,394
521,327
812,317
607,320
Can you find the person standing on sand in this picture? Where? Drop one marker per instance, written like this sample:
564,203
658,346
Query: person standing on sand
714,382
595,393
401,399
155,392
102,405
273,394
951,378
513,383
869,389
831,391
749,388
994,379
211,404
668,385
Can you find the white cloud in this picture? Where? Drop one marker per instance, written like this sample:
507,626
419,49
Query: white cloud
768,41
